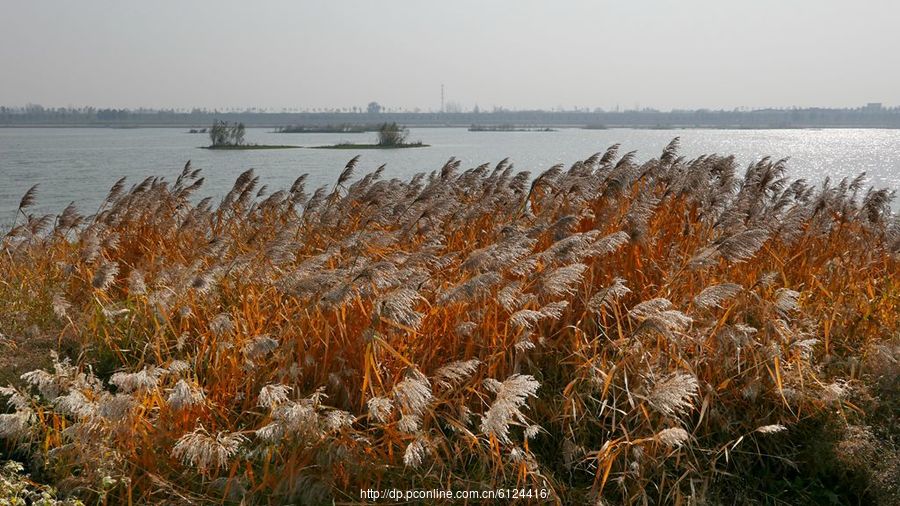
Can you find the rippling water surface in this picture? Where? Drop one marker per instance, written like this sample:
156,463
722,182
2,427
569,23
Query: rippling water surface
80,164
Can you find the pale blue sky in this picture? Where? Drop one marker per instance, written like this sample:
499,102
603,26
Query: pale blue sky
510,53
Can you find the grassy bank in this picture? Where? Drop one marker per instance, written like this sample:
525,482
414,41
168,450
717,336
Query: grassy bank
667,332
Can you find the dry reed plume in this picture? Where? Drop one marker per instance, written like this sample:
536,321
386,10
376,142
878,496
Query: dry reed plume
616,332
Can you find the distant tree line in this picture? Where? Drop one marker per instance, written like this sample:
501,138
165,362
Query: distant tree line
872,115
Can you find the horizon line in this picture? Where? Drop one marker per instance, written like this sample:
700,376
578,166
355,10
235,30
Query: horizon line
35,107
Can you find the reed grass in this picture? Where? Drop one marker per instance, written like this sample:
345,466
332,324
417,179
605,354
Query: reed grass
666,332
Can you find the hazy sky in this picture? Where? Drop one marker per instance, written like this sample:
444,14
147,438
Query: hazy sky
510,53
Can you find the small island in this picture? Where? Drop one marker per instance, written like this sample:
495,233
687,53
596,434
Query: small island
230,136
390,136
508,128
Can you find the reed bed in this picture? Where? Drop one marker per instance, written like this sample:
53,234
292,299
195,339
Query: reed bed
666,332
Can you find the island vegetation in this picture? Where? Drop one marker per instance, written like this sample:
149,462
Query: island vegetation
390,136
224,135
675,331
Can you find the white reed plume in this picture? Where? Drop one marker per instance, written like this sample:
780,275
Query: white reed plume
786,300
60,306
105,275
142,381
524,344
674,436
221,324
178,367
771,429
554,310
500,255
456,372
715,295
90,248
532,431
75,404
672,396
805,346
380,408
570,249
16,425
671,321
650,307
415,453
112,314
272,395
413,393
409,423
743,246
136,284
527,318
399,305
115,407
609,243
16,399
561,281
474,287
511,396
605,297
45,382
185,395
294,419
206,452
337,419
259,347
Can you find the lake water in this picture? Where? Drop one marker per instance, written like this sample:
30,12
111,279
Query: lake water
80,164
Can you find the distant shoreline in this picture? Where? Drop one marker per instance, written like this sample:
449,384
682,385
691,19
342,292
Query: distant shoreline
870,115
580,127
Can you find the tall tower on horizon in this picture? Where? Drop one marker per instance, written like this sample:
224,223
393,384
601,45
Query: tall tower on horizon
442,97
